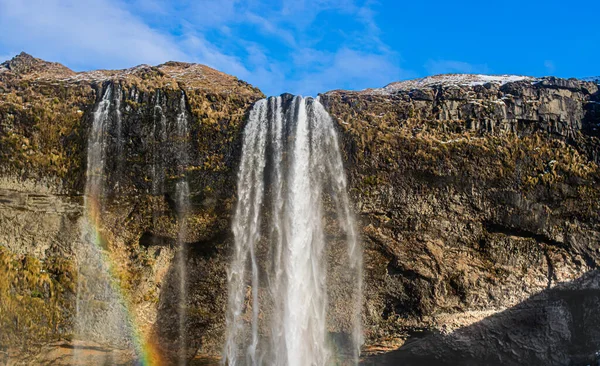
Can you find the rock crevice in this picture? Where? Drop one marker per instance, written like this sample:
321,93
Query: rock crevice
478,200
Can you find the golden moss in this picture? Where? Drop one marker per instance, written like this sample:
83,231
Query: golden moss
385,138
36,298
42,128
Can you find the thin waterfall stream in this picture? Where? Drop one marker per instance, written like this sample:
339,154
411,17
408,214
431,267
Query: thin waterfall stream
293,215
159,135
182,196
101,314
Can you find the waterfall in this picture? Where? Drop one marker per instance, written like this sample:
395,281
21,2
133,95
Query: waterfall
101,311
96,154
119,134
159,133
101,315
182,199
291,183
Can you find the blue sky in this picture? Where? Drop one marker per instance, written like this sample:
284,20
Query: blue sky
311,46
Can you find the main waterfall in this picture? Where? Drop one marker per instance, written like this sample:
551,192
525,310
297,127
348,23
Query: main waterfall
296,275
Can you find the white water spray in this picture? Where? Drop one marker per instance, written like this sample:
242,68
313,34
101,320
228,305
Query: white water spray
291,157
159,133
101,315
182,199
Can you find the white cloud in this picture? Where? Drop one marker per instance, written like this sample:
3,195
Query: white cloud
298,65
434,67
349,69
270,28
549,65
87,34
83,32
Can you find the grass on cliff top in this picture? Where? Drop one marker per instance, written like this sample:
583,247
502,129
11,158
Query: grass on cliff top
387,139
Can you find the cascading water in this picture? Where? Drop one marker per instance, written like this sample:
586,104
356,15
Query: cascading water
182,199
118,133
291,157
101,315
159,133
96,155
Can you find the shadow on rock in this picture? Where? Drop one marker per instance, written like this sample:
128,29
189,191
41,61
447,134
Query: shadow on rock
559,326
205,294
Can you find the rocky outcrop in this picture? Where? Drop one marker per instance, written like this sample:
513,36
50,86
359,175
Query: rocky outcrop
475,197
558,326
478,201
46,113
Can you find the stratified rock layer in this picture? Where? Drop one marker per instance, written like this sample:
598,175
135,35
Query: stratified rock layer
46,114
476,197
478,200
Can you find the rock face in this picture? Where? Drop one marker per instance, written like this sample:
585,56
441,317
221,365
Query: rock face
46,112
478,200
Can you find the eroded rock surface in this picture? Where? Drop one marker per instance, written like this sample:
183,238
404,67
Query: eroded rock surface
478,201
475,198
46,113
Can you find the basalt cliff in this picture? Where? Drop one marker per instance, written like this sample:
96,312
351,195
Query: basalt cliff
477,201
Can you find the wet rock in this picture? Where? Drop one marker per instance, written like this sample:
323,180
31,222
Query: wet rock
464,213
477,201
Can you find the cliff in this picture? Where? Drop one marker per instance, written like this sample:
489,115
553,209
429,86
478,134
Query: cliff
478,194
46,112
477,199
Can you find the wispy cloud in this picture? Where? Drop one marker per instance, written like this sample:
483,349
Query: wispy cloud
277,45
347,69
81,33
299,64
550,67
271,28
434,67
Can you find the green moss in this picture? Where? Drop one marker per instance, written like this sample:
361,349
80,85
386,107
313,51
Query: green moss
132,104
36,299
42,129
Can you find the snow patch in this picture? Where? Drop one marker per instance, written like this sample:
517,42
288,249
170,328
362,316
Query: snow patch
102,75
449,80
88,76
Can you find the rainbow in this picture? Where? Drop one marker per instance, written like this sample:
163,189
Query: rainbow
147,351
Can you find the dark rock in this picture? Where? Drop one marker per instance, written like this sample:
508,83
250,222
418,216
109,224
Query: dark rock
478,205
426,94
466,210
